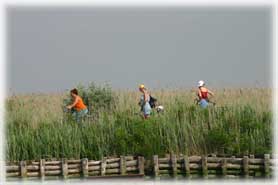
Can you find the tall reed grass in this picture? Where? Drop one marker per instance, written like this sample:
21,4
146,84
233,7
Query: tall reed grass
240,123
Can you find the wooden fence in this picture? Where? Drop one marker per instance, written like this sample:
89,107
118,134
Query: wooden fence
213,166
173,165
124,165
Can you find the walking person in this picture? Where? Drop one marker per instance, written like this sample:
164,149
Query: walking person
79,108
203,93
145,102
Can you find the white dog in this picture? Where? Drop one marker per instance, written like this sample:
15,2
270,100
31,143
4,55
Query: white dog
159,109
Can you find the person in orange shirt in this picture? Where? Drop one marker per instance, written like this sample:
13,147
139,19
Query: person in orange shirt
79,108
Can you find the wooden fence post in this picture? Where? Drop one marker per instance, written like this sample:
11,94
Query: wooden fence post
103,166
266,165
85,167
156,165
182,163
224,166
204,166
42,168
23,169
64,163
187,166
123,165
174,164
141,165
245,166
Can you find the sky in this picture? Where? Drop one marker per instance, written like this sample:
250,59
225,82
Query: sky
53,49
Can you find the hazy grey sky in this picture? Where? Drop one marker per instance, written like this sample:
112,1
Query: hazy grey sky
53,49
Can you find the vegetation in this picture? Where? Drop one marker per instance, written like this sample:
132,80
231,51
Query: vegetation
240,123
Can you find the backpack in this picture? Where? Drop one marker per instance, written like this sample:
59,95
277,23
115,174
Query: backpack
152,101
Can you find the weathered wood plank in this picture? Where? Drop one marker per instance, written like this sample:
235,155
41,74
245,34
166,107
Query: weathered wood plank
33,174
94,163
195,159
78,170
73,166
204,166
131,163
53,162
94,168
74,161
13,174
156,165
53,173
94,173
113,160
234,166
42,168
266,165
64,168
113,171
174,164
123,165
141,167
32,167
23,169
224,167
195,166
12,168
47,168
131,169
85,167
103,166
245,166
187,166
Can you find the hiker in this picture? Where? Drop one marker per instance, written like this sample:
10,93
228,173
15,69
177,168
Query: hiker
144,102
79,108
202,94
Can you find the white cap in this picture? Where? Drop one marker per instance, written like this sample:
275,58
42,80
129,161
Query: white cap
201,83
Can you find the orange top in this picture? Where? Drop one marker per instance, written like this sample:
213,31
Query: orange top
79,105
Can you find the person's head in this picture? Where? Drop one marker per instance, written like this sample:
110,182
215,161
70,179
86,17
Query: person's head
142,88
74,92
201,83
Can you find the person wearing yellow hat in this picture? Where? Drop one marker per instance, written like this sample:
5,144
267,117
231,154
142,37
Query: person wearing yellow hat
144,101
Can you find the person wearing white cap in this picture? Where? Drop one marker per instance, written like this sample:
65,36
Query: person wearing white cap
144,101
203,93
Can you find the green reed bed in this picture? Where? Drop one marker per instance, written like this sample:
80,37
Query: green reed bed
37,129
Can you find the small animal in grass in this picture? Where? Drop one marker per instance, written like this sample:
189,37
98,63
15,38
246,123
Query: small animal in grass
159,109
154,105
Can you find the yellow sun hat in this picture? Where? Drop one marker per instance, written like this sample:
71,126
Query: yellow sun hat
142,86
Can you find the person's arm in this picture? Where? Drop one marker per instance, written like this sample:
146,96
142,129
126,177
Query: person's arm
211,93
73,104
199,94
145,96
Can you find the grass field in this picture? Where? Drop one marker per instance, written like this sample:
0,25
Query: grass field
240,123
